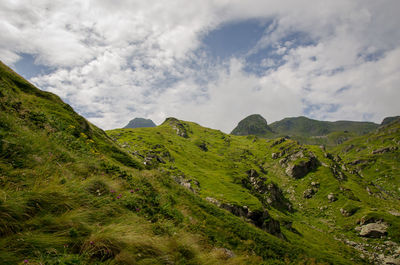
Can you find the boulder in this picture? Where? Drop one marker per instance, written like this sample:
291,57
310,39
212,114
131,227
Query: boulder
384,150
227,253
308,193
332,197
374,230
302,168
391,261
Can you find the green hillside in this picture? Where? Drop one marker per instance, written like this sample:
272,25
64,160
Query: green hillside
317,197
180,193
70,195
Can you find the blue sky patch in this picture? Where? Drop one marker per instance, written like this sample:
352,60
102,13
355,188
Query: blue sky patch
27,68
234,39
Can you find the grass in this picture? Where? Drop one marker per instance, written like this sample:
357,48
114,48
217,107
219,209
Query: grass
72,194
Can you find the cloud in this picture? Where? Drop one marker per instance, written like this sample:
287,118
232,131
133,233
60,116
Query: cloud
116,60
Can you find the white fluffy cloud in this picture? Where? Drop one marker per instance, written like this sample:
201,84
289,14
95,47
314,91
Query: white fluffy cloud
116,60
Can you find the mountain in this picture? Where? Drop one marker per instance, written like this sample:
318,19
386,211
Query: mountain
303,126
252,125
389,120
180,193
140,123
304,130
69,194
324,201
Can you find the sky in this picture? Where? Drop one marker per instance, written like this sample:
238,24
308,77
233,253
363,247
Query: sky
212,62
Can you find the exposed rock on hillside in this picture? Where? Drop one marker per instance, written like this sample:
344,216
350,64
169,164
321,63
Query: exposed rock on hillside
178,126
190,184
332,197
261,219
270,194
301,168
384,150
375,230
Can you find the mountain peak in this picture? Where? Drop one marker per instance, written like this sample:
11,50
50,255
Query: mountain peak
253,124
140,123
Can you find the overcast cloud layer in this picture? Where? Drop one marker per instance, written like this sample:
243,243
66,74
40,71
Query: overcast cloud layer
116,60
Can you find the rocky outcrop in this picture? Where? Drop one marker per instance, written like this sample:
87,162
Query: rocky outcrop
178,126
296,160
374,230
332,197
301,168
337,172
279,141
384,150
260,218
268,193
391,261
190,184
308,193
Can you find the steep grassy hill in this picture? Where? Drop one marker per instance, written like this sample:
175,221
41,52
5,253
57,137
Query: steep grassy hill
70,195
317,198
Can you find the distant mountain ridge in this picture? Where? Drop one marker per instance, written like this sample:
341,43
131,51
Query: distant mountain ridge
140,123
303,126
306,130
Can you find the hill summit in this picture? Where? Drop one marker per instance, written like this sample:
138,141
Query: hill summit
140,123
253,124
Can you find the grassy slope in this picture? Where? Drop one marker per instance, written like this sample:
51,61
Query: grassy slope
69,195
220,169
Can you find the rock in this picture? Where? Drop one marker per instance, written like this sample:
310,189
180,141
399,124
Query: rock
374,230
384,150
281,140
190,184
391,261
358,161
348,148
270,194
213,201
275,155
308,193
332,197
227,253
263,220
337,173
346,213
178,126
302,168
315,184
260,218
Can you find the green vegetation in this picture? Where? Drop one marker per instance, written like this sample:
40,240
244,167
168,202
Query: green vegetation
180,193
